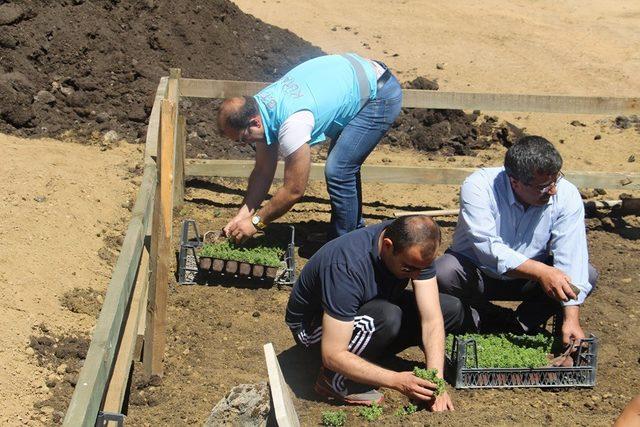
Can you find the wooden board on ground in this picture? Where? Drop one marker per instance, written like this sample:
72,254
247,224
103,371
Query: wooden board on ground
406,174
285,412
414,98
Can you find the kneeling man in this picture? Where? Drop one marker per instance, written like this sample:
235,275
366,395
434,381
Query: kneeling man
520,236
350,299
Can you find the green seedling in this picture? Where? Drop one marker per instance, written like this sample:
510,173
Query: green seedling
334,418
431,375
404,411
371,413
256,251
508,350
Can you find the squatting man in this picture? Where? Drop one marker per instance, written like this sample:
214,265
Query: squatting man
347,98
520,236
351,303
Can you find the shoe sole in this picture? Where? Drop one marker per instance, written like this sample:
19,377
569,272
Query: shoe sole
330,394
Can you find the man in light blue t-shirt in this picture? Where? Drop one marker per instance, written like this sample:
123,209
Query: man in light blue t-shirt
347,98
520,236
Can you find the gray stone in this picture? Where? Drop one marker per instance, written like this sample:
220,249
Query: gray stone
10,14
45,97
247,405
111,137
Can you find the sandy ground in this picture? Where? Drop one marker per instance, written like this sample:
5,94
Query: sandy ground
59,202
59,197
568,48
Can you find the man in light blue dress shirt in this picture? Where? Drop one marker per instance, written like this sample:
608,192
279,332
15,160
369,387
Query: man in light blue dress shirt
520,236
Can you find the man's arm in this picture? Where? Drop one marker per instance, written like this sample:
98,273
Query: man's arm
433,335
296,175
258,185
336,356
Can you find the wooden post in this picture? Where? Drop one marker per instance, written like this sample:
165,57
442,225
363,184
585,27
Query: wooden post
285,412
155,333
181,138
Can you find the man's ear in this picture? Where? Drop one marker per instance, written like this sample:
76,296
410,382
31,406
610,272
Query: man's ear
256,121
387,243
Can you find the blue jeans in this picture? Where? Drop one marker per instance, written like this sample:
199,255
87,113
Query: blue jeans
347,153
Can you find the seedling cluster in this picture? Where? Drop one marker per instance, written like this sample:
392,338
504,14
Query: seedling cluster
371,413
509,350
431,375
334,418
256,251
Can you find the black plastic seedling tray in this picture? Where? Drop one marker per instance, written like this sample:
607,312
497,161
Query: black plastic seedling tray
462,369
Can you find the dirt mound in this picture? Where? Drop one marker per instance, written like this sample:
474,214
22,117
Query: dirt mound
86,66
64,356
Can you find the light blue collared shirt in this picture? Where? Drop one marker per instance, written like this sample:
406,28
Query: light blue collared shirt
497,234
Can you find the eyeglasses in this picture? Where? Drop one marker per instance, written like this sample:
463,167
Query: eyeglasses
547,188
409,268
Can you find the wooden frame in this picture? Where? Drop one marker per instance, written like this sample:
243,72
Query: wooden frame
142,270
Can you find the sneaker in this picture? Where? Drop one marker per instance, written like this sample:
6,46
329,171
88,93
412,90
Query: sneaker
359,394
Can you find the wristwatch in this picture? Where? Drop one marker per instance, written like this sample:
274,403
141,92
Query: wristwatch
257,222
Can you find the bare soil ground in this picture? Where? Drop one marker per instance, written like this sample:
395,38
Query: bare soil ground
65,205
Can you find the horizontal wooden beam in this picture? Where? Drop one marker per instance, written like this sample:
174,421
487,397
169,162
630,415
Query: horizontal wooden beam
414,98
405,174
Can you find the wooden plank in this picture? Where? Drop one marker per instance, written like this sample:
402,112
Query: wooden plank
173,87
153,129
94,375
155,334
414,98
285,412
120,376
181,138
588,205
406,174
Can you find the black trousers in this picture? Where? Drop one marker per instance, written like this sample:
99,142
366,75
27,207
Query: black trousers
383,327
459,277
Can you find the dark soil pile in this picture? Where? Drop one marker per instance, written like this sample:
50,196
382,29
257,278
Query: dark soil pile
64,356
82,68
94,65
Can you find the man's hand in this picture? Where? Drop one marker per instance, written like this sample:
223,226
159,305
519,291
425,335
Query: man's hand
442,403
556,284
413,387
571,329
239,230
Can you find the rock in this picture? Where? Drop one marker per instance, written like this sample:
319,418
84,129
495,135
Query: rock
77,99
622,122
102,117
137,114
440,66
245,405
10,14
8,41
597,137
600,191
45,97
111,137
40,199
631,159
577,123
421,83
67,91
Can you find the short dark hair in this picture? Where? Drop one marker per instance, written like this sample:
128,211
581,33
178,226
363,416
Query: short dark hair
411,230
532,155
241,118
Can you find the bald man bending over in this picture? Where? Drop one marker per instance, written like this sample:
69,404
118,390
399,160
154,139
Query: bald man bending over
347,98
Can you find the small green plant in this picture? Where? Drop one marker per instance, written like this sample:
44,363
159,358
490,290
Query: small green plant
334,418
409,409
431,375
372,412
508,350
255,251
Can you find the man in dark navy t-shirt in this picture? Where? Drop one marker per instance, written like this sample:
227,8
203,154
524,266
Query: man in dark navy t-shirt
351,298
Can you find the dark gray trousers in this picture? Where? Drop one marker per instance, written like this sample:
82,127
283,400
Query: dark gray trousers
461,278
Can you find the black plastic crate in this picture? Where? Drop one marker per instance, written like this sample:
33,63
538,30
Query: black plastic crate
462,369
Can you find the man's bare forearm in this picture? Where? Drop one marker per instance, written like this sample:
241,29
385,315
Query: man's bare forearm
279,204
433,342
359,370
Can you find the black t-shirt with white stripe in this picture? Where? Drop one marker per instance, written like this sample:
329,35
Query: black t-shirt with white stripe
342,276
